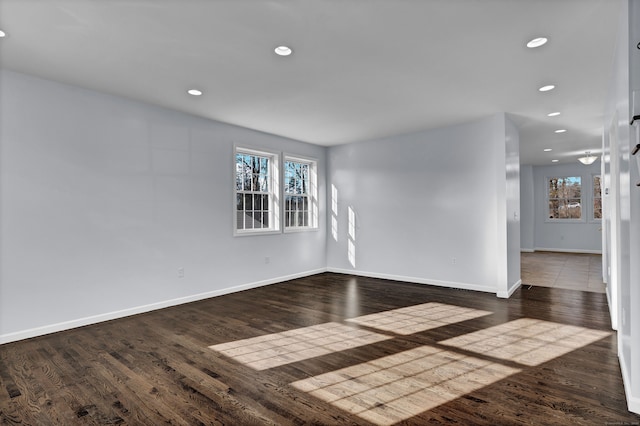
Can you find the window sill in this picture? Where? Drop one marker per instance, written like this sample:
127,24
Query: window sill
237,233
300,229
567,221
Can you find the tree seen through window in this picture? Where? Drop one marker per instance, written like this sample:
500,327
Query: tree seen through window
565,197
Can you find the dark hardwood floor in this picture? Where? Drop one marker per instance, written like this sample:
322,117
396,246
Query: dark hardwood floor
329,350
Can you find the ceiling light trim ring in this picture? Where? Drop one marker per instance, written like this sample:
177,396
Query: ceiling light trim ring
537,42
283,50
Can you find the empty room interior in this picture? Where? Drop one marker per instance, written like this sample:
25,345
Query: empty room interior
316,212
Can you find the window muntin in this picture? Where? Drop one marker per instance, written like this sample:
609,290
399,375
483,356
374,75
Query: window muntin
565,197
256,192
597,198
300,194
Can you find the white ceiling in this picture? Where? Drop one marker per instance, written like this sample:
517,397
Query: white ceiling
361,69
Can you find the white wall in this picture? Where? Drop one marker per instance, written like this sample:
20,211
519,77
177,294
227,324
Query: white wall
512,208
583,236
631,288
527,209
427,210
103,199
622,215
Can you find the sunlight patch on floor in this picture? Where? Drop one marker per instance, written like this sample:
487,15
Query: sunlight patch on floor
273,350
527,341
397,387
417,318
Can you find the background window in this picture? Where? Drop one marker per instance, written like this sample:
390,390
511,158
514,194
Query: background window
597,198
256,191
300,194
564,197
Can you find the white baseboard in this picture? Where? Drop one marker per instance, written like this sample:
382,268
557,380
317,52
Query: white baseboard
507,294
439,283
633,401
80,322
559,250
526,250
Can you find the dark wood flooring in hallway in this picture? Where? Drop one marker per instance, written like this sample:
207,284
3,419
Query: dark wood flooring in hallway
329,350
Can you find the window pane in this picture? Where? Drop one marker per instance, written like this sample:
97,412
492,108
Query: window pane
252,185
248,220
597,198
553,209
564,197
298,193
597,191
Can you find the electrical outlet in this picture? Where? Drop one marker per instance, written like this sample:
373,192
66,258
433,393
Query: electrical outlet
453,260
181,272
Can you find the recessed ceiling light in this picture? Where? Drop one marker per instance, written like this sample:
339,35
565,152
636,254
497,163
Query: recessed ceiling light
554,161
561,130
2,34
547,88
536,42
194,92
283,51
547,150
553,114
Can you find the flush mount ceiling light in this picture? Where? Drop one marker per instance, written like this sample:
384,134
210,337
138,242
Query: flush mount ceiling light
553,114
561,130
554,161
547,150
547,88
537,42
194,92
283,51
2,34
588,158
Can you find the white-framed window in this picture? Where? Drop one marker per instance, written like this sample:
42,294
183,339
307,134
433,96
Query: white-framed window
256,192
597,198
564,196
300,194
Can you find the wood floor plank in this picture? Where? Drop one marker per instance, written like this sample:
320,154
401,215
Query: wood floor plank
163,367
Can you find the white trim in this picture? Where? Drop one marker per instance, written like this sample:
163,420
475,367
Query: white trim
295,229
94,319
312,195
507,294
275,178
582,219
448,284
607,291
526,250
633,402
560,250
